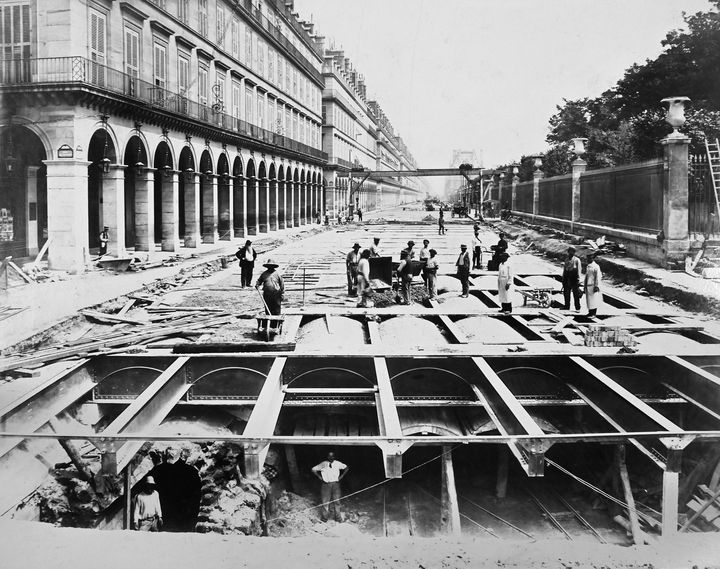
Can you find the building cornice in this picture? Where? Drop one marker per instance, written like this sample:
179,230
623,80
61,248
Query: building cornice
129,9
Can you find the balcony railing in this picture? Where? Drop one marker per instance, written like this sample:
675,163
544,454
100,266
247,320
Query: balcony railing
82,71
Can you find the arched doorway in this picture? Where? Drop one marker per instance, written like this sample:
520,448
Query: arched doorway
296,198
252,198
238,202
262,198
135,161
282,198
23,197
208,205
225,212
273,201
102,153
186,195
163,164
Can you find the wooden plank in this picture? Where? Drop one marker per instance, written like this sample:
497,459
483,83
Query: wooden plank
110,317
637,535
450,516
127,306
459,336
20,272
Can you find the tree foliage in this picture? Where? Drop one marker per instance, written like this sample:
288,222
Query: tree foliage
625,123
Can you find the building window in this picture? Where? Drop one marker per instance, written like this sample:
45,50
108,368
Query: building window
184,10
261,57
294,82
271,115
98,44
279,120
132,56
235,38
249,105
159,3
249,47
236,90
271,65
288,78
183,74
220,24
295,127
260,109
219,90
255,48
203,17
15,27
288,123
280,75
159,72
202,85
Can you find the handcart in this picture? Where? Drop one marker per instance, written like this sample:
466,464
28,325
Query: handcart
268,325
539,296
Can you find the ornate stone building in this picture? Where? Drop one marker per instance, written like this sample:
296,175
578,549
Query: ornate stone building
170,121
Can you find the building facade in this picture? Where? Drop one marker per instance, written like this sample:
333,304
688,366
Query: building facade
171,122
357,135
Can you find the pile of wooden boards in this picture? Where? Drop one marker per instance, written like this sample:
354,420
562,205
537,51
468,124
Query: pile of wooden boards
705,508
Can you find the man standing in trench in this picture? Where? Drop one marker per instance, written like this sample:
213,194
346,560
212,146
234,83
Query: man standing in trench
330,472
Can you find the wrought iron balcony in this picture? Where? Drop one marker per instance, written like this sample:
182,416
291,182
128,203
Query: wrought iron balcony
83,72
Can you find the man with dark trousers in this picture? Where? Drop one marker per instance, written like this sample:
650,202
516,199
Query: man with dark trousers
247,256
463,270
571,278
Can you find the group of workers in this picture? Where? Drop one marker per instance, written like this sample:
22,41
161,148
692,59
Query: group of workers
572,269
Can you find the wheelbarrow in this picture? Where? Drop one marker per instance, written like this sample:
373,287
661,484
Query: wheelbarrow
268,325
539,296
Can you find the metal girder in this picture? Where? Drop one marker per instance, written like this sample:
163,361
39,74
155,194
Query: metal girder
35,408
142,415
451,327
389,422
693,383
470,172
511,418
264,417
621,408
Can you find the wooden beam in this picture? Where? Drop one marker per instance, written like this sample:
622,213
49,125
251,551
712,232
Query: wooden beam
450,509
670,494
263,418
35,408
127,498
502,472
637,534
143,415
698,386
459,336
388,422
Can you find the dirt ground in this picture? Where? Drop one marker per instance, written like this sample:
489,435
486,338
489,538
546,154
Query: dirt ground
27,545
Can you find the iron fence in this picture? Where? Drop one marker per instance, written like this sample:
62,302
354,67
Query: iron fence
555,197
703,219
83,71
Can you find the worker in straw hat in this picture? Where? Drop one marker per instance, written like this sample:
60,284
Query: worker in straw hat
351,268
273,287
147,514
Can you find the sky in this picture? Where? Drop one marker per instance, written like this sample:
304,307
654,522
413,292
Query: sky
486,75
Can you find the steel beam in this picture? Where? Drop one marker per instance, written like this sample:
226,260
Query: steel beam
389,422
143,415
263,418
621,408
692,383
35,408
511,418
470,172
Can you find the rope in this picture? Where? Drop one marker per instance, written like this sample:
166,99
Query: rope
370,487
599,490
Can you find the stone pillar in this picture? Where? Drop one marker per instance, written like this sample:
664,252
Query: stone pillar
513,196
192,209
145,209
67,206
113,208
244,206
676,243
537,176
282,204
274,205
210,210
230,189
170,212
263,193
578,167
31,230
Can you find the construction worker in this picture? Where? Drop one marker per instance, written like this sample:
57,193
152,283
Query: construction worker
330,472
498,249
351,264
463,270
104,238
363,278
477,250
409,249
593,276
404,272
423,257
246,255
441,222
147,513
505,284
571,278
273,287
432,268
375,248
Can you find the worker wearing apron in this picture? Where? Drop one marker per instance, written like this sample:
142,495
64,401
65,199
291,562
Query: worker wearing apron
505,283
593,276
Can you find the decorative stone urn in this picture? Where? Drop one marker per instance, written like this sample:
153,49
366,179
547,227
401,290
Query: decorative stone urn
515,171
578,146
537,162
675,116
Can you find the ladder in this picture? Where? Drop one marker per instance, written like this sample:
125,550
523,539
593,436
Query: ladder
713,154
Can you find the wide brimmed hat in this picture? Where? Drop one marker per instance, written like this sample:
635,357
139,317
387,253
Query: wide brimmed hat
463,245
411,243
150,481
270,263
356,246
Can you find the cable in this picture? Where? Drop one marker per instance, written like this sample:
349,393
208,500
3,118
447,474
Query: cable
363,489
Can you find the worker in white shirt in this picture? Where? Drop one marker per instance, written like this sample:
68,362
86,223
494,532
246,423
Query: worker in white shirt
147,514
423,257
375,248
477,250
432,268
363,279
330,472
